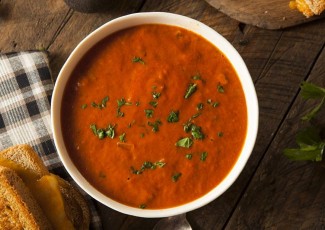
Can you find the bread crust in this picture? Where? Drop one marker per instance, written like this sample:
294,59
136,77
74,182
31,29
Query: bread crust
18,208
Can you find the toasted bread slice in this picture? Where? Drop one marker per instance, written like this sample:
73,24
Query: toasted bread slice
18,208
69,207
308,7
23,158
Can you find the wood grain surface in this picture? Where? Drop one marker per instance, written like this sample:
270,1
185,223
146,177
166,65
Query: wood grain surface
271,192
271,14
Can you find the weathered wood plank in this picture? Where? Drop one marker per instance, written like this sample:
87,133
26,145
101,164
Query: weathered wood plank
285,194
29,26
79,25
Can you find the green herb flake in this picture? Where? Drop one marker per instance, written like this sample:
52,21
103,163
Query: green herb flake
142,206
176,176
189,156
137,103
196,77
311,146
220,134
199,106
84,106
192,87
153,103
148,165
173,117
185,142
155,95
102,104
215,104
110,132
196,132
220,89
155,125
204,156
142,135
122,137
187,126
149,113
138,60
121,102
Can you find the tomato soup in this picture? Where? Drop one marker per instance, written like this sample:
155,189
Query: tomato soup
154,116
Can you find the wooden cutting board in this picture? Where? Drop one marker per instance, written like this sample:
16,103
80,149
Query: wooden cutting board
268,14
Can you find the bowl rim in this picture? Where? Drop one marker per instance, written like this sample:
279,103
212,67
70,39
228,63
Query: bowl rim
168,19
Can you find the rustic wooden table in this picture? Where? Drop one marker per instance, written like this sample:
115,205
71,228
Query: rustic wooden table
271,192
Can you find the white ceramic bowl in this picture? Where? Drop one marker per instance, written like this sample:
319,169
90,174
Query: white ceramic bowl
169,19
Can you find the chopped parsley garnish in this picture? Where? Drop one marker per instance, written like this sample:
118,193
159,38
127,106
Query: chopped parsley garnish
84,106
155,125
100,105
204,156
149,113
199,106
187,126
137,103
102,133
173,117
138,60
156,95
142,135
196,132
148,165
189,156
176,177
220,89
142,206
153,103
196,77
121,102
220,134
196,115
190,90
184,142
122,137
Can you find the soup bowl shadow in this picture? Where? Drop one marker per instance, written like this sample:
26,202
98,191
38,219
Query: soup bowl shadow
168,19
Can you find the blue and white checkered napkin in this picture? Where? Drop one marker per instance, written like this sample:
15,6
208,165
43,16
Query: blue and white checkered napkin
25,95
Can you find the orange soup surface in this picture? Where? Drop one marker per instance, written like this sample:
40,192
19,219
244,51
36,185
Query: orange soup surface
154,116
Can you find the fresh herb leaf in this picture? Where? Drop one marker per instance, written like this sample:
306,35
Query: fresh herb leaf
100,105
187,126
192,87
196,77
122,137
156,95
199,106
173,117
138,60
312,91
220,134
142,206
196,132
153,103
189,156
84,106
204,156
184,142
311,146
176,176
215,104
220,89
102,133
155,125
121,102
149,113
196,115
110,132
137,103
148,165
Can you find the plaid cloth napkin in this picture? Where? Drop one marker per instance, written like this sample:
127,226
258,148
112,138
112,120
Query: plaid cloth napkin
25,95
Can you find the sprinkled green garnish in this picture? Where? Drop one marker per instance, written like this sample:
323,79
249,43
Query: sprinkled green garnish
199,106
196,77
184,142
142,135
215,104
84,106
220,89
122,137
153,103
204,156
189,156
102,133
121,102
148,165
155,125
100,105
176,177
173,117
137,103
142,206
138,60
156,95
149,113
196,132
220,134
190,90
